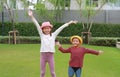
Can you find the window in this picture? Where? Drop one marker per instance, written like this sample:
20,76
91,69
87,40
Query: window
117,3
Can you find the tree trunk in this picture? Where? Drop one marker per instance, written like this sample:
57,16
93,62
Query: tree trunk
86,37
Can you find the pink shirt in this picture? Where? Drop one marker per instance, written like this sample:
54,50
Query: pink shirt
77,55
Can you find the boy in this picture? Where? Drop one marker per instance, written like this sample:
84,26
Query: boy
77,55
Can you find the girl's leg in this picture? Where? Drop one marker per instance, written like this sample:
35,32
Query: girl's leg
78,72
42,64
51,64
70,71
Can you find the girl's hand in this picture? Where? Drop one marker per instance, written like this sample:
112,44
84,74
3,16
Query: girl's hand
100,52
30,13
73,22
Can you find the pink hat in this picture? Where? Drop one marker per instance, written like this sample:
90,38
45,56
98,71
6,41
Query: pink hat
46,24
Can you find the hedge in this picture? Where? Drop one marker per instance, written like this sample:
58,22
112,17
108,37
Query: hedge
33,40
103,41
97,30
64,40
105,30
20,40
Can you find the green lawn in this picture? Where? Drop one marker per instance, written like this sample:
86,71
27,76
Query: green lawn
22,60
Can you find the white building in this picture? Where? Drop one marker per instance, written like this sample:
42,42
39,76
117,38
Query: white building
108,6
73,4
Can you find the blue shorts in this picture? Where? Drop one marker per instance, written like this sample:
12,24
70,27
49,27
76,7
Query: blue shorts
74,70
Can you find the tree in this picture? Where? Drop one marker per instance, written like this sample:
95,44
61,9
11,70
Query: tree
53,14
9,6
89,12
86,7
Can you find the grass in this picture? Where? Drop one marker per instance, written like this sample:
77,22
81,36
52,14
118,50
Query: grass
22,60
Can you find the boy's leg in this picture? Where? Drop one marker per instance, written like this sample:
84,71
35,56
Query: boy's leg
78,72
70,71
51,64
42,64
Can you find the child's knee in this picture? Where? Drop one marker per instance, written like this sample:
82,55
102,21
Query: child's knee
53,74
42,74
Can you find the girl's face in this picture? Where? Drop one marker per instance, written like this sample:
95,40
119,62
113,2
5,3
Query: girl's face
75,42
46,30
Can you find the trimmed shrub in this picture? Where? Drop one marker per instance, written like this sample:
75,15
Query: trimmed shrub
103,42
97,30
29,40
3,40
32,40
63,40
20,40
118,39
105,30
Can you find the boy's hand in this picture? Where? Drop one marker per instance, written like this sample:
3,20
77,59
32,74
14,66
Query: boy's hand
58,43
30,13
100,52
73,22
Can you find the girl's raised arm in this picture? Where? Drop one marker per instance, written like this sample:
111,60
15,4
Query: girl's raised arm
63,26
30,13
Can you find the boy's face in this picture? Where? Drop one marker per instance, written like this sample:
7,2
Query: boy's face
46,30
75,42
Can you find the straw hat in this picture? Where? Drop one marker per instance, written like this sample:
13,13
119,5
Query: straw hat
78,37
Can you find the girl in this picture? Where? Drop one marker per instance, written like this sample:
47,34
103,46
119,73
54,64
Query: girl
77,55
47,43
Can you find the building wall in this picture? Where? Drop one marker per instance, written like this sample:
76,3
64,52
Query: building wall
106,16
73,4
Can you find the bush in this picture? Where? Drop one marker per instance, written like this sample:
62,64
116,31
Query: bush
3,39
25,29
29,40
118,39
103,42
63,40
21,40
106,30
97,30
33,40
